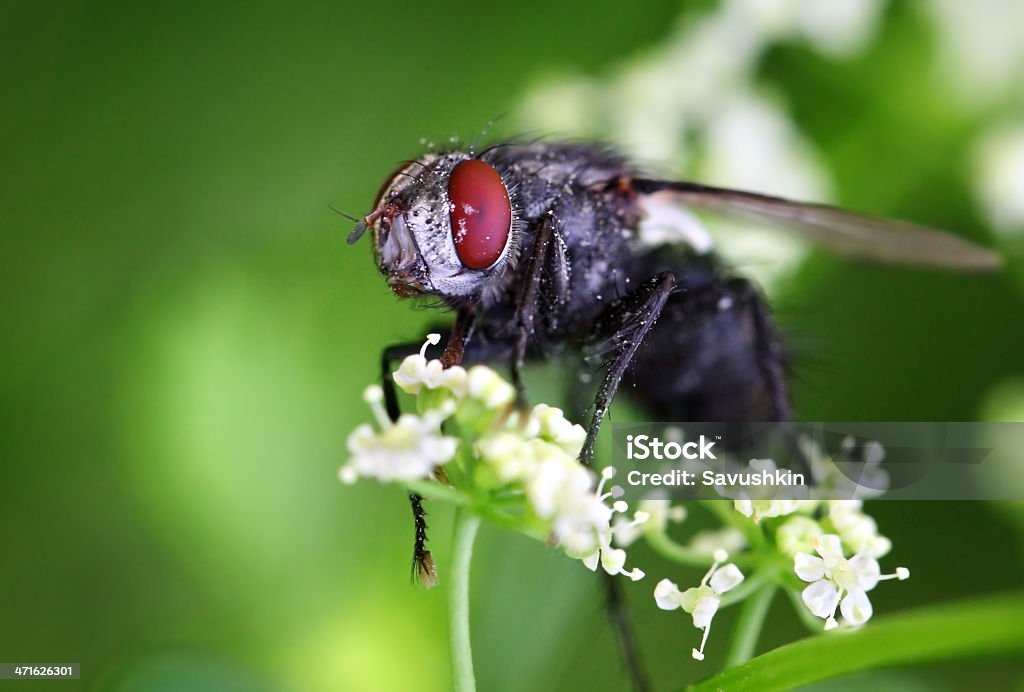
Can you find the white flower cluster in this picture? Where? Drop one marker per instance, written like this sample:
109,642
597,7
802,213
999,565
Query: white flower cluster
416,373
836,580
857,530
700,601
846,518
408,449
840,582
560,491
533,454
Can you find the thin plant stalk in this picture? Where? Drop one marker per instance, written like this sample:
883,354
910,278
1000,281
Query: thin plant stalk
466,525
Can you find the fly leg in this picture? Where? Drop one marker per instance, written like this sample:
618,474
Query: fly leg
455,340
548,255
424,572
624,325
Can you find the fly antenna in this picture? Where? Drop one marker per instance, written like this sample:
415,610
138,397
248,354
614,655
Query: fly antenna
358,231
341,213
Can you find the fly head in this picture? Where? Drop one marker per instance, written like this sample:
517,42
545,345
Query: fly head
443,225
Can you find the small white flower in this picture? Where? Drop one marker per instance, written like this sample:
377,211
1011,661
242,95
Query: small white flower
558,484
763,509
408,449
612,560
858,531
797,535
489,387
702,601
509,455
553,426
838,582
416,372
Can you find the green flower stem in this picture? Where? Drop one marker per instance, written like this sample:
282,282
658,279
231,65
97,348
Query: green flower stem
466,525
748,629
671,550
968,629
748,586
814,624
435,491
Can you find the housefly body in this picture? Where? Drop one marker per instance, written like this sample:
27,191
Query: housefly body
552,247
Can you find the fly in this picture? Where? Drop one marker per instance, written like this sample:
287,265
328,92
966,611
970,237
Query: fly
551,247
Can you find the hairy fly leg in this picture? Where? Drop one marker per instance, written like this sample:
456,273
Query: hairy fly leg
621,329
424,571
548,256
455,344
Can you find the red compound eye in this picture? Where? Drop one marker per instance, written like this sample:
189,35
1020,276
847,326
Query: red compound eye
481,213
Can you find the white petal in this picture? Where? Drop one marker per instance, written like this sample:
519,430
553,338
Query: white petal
808,567
877,546
829,545
867,570
856,608
704,611
409,376
725,578
744,507
591,560
820,598
666,595
612,560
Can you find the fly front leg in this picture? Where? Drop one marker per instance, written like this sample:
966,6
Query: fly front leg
424,572
548,256
454,343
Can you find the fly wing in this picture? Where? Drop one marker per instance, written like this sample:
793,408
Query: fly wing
846,232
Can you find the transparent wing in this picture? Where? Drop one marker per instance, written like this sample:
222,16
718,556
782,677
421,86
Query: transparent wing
846,232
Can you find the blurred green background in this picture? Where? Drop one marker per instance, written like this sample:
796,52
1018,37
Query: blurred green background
185,334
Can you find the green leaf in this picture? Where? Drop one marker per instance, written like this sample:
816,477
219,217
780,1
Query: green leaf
967,628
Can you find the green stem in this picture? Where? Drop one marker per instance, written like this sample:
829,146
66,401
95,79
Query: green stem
725,511
668,548
748,629
466,525
435,491
814,624
755,582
